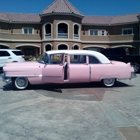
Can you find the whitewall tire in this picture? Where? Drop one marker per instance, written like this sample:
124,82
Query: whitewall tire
108,82
20,82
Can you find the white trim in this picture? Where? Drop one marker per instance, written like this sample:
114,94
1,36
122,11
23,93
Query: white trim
69,40
93,30
27,29
90,46
62,44
22,45
4,45
76,45
57,29
127,29
129,46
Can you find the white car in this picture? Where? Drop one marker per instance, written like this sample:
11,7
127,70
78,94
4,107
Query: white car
10,55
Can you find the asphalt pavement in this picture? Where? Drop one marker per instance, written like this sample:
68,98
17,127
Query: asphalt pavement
85,111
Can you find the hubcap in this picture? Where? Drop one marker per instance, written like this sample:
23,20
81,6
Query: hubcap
109,81
21,82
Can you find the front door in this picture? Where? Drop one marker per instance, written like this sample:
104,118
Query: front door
78,69
54,71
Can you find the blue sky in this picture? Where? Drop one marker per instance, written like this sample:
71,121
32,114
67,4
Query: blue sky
86,7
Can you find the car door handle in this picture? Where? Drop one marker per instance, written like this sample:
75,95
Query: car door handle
9,57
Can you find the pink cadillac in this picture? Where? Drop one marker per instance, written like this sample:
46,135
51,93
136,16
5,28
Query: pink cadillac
67,66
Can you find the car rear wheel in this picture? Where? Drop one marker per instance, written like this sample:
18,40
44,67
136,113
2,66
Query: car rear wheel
108,82
136,67
20,82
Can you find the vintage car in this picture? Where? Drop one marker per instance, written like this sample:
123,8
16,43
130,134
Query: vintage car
67,66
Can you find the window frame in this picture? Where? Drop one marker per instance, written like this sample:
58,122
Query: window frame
127,30
93,31
27,30
101,32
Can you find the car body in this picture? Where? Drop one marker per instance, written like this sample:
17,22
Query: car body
10,55
67,66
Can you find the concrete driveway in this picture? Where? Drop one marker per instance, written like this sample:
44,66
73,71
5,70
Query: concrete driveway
71,112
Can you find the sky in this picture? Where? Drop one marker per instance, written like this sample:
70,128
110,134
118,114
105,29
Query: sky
86,7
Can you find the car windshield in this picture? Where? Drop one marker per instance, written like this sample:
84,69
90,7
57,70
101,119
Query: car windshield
44,59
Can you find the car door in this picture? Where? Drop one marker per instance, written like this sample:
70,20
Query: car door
4,57
78,69
53,72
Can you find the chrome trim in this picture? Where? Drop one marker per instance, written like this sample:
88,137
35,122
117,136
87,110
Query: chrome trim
89,73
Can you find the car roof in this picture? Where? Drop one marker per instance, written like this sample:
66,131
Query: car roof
101,57
9,50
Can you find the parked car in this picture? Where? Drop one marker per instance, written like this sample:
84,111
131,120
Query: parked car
67,66
120,54
10,55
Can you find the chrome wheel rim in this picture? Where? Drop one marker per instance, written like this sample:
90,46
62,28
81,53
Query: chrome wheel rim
21,82
109,82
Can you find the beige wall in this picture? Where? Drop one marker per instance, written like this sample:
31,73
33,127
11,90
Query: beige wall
11,34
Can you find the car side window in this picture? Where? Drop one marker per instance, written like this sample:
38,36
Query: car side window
44,58
77,59
4,53
93,60
56,58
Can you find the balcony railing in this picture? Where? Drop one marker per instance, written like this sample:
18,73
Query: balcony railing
76,36
62,35
47,35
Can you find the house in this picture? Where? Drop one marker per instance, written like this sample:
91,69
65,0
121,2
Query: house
62,26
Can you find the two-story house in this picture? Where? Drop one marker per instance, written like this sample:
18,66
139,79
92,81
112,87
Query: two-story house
62,26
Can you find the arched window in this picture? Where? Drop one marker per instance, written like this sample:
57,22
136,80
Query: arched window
62,47
48,47
76,31
76,47
62,30
47,31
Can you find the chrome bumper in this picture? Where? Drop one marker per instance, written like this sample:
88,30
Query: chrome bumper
133,75
6,79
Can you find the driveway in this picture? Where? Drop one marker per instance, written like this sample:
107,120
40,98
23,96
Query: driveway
71,112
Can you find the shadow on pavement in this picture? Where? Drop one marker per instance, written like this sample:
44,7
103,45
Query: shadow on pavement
58,87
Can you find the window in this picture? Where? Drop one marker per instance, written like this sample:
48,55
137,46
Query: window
28,30
4,53
56,58
127,31
93,32
77,59
44,58
93,60
17,53
102,32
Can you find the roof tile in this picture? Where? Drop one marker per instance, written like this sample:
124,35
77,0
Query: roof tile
61,6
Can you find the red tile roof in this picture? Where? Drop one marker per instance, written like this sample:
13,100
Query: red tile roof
110,20
3,17
61,6
17,17
125,19
65,7
97,20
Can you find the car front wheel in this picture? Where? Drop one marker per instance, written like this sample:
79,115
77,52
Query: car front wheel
20,82
108,82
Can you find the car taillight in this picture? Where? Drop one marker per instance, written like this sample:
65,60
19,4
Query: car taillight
23,56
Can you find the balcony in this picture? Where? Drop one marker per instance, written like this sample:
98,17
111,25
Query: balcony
76,36
62,35
48,36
